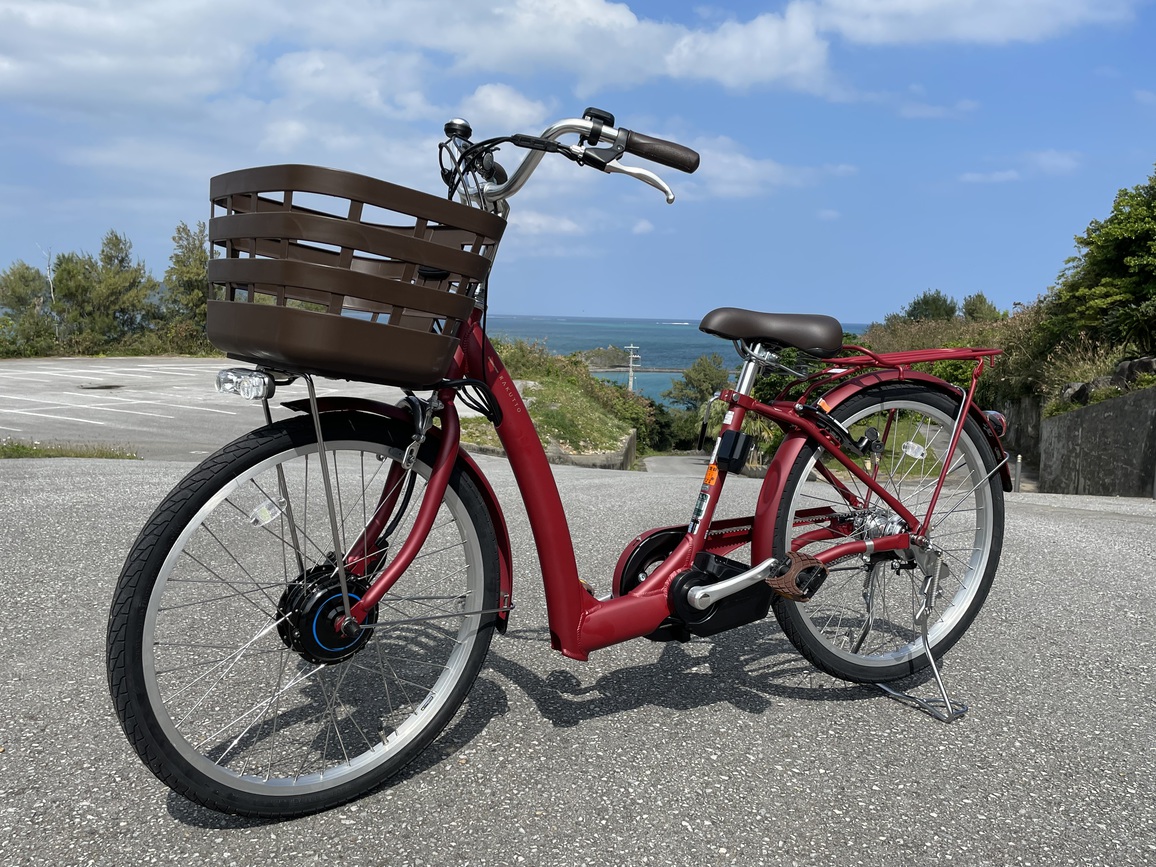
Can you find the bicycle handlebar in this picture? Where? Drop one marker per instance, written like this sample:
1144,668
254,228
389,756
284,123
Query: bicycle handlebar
663,152
657,150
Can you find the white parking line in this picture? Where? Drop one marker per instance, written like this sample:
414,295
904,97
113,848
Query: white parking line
88,374
199,408
46,415
157,402
60,405
157,371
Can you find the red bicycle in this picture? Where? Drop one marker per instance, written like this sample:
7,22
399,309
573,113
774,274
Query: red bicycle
309,607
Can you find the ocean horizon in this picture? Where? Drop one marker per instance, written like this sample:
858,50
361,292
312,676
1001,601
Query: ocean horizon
665,343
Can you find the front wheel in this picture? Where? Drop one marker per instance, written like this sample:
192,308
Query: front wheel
227,675
861,625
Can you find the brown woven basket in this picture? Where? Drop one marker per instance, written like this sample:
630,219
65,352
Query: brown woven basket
340,275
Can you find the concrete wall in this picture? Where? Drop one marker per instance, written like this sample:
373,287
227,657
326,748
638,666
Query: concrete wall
1023,429
1107,449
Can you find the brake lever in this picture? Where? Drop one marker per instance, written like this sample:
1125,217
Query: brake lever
580,155
647,177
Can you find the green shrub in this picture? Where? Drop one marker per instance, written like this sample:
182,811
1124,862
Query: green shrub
1078,359
1058,407
573,408
1099,395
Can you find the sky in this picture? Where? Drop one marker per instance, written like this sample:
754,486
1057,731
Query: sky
855,153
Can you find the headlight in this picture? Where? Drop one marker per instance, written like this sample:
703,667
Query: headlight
249,384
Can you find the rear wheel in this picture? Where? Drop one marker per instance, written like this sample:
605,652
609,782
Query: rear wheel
227,675
861,625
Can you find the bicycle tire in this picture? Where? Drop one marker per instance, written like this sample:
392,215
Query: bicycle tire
215,688
861,626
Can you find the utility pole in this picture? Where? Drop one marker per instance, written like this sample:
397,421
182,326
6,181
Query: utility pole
634,356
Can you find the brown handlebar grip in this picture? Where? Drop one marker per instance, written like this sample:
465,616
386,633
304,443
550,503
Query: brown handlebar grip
660,151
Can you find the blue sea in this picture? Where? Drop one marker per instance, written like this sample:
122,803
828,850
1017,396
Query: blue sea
662,343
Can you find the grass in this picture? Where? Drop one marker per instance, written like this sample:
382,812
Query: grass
13,448
570,408
564,416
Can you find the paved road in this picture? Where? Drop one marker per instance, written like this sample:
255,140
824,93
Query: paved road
158,408
723,751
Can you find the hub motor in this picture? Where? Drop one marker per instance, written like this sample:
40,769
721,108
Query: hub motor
308,614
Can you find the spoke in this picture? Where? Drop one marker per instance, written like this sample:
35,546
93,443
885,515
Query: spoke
229,663
233,696
280,537
236,594
259,586
259,709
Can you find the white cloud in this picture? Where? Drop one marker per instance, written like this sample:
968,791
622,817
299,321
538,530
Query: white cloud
538,223
89,57
384,55
828,214
1054,162
891,22
643,227
924,110
768,48
501,106
157,96
728,171
999,177
384,84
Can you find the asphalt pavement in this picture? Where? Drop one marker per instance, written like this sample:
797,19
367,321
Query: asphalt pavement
157,408
730,750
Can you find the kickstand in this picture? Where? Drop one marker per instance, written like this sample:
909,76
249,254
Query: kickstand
944,708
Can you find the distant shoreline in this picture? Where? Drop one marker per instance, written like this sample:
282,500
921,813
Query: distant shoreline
637,369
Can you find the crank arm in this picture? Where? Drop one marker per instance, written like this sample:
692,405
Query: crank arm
707,595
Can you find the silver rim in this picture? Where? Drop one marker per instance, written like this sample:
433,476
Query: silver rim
865,612
234,699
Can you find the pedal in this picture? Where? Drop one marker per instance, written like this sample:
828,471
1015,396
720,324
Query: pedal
799,578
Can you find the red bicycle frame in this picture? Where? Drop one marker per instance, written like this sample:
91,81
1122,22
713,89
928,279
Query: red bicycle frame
579,622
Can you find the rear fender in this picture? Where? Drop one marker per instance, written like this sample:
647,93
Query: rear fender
770,495
844,390
468,466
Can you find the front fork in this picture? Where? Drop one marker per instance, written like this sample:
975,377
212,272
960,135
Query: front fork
435,490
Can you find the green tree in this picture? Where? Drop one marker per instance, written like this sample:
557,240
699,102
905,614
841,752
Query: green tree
977,308
187,289
1108,290
707,375
932,304
28,324
102,300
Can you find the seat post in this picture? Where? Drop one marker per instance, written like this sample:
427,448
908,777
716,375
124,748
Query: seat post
754,359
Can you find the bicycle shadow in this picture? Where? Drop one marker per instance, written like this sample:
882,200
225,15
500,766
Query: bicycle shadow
486,701
744,668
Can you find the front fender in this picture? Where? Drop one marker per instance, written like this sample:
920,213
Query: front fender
469,467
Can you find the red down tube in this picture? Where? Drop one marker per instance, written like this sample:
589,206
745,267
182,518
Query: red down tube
579,623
